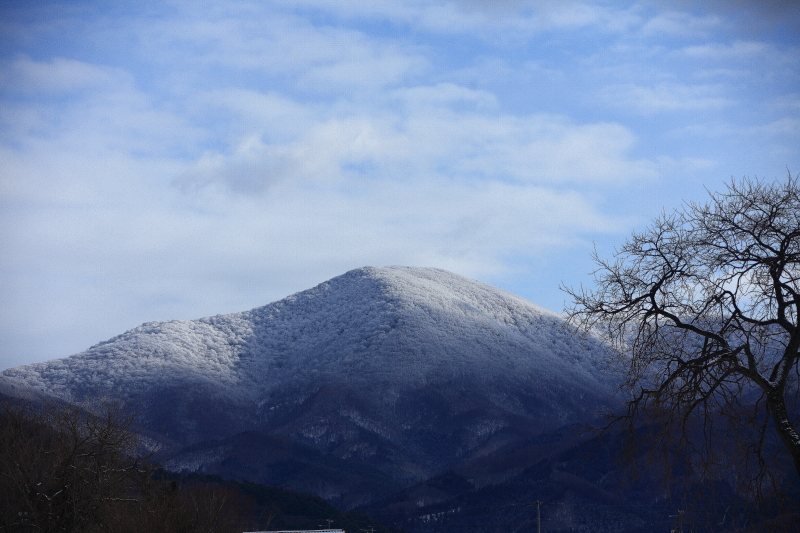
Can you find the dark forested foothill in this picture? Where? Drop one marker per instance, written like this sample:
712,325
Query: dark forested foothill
68,467
277,508
565,483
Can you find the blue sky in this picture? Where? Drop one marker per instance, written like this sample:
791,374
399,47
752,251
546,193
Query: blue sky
180,159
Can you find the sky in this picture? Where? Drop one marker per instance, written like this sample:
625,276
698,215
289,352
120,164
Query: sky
179,159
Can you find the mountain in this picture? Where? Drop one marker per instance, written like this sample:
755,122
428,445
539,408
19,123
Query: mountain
392,374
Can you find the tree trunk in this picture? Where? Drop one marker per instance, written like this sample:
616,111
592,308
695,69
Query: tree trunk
783,424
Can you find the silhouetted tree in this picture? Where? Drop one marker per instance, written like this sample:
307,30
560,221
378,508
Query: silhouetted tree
69,467
703,310
62,465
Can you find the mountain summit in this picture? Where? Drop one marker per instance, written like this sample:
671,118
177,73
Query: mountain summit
405,370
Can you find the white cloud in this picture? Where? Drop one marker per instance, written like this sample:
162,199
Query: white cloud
101,110
495,20
445,94
729,74
680,23
373,71
783,127
547,149
671,168
720,51
270,42
278,117
665,97
445,130
58,76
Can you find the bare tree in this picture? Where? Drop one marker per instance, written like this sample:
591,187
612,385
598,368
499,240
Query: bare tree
63,465
703,310
81,467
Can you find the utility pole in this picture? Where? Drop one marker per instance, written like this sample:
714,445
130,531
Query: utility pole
680,521
538,517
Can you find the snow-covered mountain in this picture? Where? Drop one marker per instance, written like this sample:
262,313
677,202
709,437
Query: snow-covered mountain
407,370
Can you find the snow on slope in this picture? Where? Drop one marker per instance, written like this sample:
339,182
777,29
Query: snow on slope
380,331
379,319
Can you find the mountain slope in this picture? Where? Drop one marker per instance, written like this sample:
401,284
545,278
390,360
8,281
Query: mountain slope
409,370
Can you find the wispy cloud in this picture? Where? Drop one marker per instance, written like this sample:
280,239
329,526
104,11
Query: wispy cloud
681,24
444,132
667,97
59,76
721,51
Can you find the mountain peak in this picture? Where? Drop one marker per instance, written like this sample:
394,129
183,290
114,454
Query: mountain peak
397,365
434,287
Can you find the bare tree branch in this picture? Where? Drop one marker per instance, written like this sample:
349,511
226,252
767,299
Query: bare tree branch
703,311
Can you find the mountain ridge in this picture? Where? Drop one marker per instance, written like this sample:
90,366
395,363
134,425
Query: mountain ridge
215,338
408,370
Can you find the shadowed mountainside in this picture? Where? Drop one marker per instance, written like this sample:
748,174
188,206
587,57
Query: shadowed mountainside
400,372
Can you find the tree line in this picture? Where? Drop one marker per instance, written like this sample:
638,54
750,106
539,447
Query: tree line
80,467
83,467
